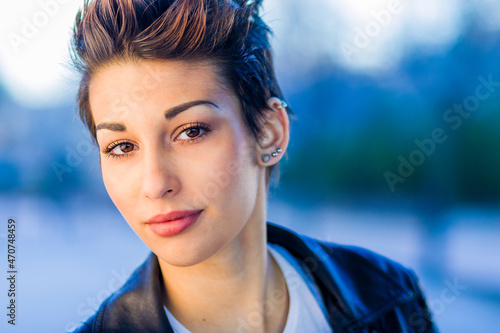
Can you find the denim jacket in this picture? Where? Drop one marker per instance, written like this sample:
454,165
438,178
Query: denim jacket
362,292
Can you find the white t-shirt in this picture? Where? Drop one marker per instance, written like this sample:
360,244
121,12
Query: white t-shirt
306,310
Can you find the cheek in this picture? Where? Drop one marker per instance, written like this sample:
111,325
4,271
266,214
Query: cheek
223,172
119,186
234,173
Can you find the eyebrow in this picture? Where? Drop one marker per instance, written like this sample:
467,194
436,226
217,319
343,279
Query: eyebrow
174,111
112,127
169,114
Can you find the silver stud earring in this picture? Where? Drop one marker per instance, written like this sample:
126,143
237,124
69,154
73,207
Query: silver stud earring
283,105
266,157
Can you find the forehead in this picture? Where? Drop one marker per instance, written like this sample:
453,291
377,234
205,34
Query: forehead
129,84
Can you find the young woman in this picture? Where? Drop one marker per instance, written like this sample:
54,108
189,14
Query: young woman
182,100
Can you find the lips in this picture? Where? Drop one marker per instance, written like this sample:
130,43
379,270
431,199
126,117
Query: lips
173,223
175,215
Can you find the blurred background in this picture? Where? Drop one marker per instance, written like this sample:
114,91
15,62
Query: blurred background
394,148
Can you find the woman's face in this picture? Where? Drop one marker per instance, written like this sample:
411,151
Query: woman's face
172,138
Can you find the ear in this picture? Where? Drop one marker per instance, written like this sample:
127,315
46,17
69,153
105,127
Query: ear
276,133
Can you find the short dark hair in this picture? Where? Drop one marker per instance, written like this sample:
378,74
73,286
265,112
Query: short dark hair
229,32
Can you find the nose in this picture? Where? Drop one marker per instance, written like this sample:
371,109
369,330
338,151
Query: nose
159,179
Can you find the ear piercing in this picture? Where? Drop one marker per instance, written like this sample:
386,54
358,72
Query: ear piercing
283,105
267,157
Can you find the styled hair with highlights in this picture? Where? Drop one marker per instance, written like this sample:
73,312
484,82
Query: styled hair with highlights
230,33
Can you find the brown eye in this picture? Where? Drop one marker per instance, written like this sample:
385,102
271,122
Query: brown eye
193,132
123,148
126,147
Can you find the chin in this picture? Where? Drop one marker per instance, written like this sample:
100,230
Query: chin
184,257
183,250
181,261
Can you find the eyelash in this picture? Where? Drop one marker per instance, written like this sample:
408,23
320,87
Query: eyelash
108,150
198,125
